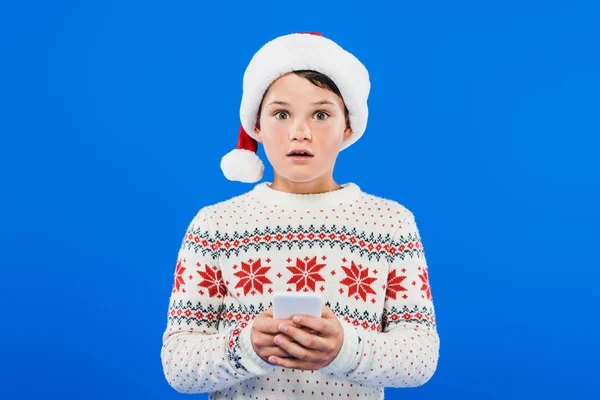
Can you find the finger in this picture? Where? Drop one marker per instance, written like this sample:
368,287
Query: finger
277,352
299,351
311,331
267,325
265,346
327,312
292,363
320,325
294,349
304,338
263,340
268,340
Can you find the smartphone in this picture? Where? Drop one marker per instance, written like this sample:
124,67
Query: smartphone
288,304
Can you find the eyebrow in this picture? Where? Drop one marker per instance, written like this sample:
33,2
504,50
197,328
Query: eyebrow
316,103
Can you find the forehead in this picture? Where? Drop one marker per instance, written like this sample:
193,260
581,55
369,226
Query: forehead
291,88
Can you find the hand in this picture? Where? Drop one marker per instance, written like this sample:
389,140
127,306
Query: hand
262,335
309,351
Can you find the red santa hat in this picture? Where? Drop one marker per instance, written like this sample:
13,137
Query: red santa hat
297,51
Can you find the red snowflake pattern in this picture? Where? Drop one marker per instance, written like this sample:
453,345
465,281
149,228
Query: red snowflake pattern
213,281
394,285
425,280
358,281
252,277
305,274
179,282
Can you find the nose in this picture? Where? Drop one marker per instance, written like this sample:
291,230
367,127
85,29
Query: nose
300,131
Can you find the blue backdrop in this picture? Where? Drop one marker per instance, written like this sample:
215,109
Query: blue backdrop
484,122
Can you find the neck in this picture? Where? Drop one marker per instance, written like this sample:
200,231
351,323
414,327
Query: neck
268,195
311,187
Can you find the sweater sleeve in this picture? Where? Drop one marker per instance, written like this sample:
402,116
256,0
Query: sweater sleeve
405,352
199,354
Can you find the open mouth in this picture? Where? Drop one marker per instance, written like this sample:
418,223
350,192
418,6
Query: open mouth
301,154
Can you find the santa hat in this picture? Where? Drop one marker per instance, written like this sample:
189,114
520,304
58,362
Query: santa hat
297,51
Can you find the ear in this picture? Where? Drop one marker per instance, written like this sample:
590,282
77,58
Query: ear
257,132
347,134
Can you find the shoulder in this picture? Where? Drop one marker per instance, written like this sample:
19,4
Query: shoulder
389,208
236,204
399,219
207,215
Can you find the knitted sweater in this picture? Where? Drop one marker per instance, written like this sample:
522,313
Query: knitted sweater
362,253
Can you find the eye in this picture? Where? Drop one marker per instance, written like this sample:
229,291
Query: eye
321,115
281,114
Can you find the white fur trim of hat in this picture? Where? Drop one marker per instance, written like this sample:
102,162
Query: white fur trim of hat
293,52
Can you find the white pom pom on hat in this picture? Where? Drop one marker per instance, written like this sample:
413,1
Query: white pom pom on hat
242,164
293,52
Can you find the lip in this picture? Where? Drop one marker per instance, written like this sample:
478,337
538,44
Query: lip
299,151
300,159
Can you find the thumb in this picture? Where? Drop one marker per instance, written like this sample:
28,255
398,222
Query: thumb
326,312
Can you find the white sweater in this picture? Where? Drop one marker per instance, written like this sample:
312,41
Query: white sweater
362,253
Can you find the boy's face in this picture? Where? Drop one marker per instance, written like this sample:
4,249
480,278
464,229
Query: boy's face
296,114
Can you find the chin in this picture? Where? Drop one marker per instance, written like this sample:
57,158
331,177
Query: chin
300,176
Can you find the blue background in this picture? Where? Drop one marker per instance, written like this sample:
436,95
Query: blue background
484,122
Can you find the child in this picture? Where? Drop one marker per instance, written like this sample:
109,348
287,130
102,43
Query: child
304,99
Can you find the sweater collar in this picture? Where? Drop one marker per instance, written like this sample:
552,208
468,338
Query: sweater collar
266,195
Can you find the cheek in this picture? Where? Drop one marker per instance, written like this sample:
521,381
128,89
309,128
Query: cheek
273,142
330,139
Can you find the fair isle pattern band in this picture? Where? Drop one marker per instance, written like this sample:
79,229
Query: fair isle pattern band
278,238
207,316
